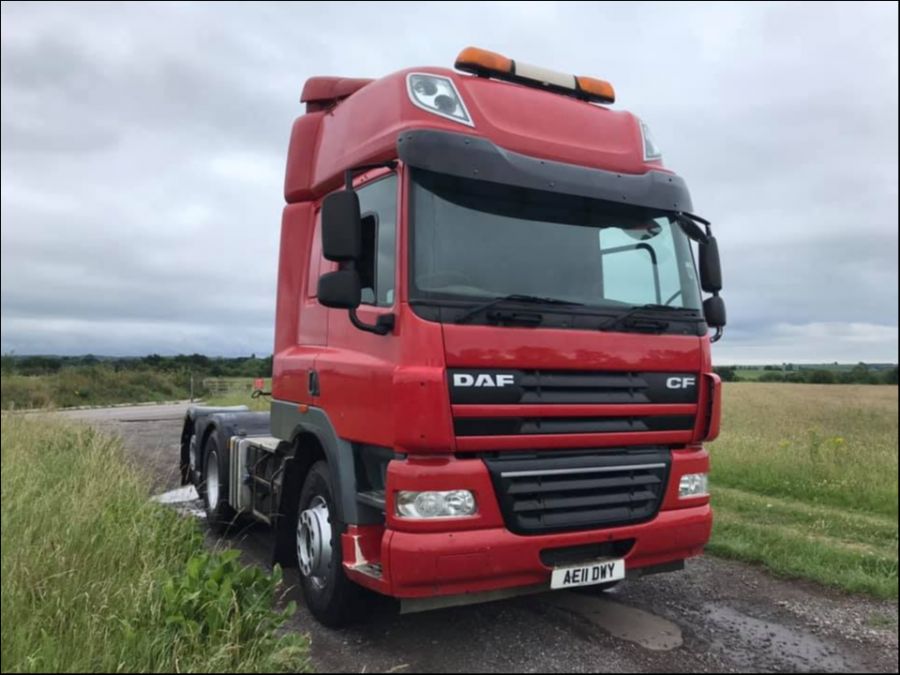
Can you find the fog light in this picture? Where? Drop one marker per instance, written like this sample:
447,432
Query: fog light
451,504
693,485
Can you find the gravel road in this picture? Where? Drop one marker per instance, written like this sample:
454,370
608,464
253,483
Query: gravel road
716,616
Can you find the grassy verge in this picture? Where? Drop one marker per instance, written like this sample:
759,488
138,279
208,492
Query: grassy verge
97,578
805,482
93,385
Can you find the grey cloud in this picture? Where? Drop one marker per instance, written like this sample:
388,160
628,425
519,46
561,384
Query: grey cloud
143,147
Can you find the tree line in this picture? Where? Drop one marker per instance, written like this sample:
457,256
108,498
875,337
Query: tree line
196,364
859,374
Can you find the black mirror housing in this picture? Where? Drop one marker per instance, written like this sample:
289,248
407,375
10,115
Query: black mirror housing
710,266
714,312
341,227
340,289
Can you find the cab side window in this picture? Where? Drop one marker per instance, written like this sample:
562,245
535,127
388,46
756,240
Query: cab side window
378,206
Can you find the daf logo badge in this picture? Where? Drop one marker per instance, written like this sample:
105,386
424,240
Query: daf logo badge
483,380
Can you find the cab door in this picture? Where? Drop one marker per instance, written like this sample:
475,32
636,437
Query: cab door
355,371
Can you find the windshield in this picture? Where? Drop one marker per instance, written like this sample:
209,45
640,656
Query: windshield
474,240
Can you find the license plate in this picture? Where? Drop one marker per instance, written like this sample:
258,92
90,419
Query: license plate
600,572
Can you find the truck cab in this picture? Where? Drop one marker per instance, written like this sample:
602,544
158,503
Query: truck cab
492,368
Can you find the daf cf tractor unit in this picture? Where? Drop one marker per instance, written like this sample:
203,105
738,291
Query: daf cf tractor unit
492,369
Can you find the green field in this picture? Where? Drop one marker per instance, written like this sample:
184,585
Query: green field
804,481
96,578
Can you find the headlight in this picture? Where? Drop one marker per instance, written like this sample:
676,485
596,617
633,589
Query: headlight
693,485
452,504
438,95
651,149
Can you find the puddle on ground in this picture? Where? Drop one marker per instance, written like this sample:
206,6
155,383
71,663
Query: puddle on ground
789,647
621,621
185,500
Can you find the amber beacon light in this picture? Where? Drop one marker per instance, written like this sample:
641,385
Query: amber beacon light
485,63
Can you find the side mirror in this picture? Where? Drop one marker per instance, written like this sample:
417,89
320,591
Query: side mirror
710,266
714,312
340,289
341,227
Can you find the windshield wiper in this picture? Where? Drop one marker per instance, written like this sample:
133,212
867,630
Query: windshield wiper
649,307
514,297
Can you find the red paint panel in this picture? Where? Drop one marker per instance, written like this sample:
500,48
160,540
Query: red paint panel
298,175
550,348
292,362
573,410
296,231
364,127
547,441
386,390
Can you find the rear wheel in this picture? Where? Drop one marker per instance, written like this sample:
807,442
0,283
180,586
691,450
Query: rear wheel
331,597
214,487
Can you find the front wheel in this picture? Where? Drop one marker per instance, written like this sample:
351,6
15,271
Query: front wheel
331,597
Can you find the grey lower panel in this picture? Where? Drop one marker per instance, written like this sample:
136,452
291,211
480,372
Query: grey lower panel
288,423
470,156
442,602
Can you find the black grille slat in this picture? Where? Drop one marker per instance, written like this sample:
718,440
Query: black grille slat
583,502
548,492
524,486
581,520
579,380
497,426
581,396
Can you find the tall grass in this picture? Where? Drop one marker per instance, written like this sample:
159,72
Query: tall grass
97,578
805,481
91,385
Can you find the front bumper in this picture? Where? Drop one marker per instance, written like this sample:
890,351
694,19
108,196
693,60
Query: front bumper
452,563
419,559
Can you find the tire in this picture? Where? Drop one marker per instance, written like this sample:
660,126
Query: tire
332,598
214,487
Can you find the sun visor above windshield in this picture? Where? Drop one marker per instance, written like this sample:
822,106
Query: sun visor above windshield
478,158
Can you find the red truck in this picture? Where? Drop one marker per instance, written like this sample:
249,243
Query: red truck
492,368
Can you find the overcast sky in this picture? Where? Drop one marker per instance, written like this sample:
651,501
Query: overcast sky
143,152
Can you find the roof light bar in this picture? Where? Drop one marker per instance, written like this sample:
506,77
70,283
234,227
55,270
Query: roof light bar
490,64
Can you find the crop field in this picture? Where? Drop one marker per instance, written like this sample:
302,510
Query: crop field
97,578
804,481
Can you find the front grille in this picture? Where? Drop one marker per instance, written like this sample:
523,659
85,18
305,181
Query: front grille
541,493
534,403
561,386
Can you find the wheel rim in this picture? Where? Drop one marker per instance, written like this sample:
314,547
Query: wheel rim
314,541
212,480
